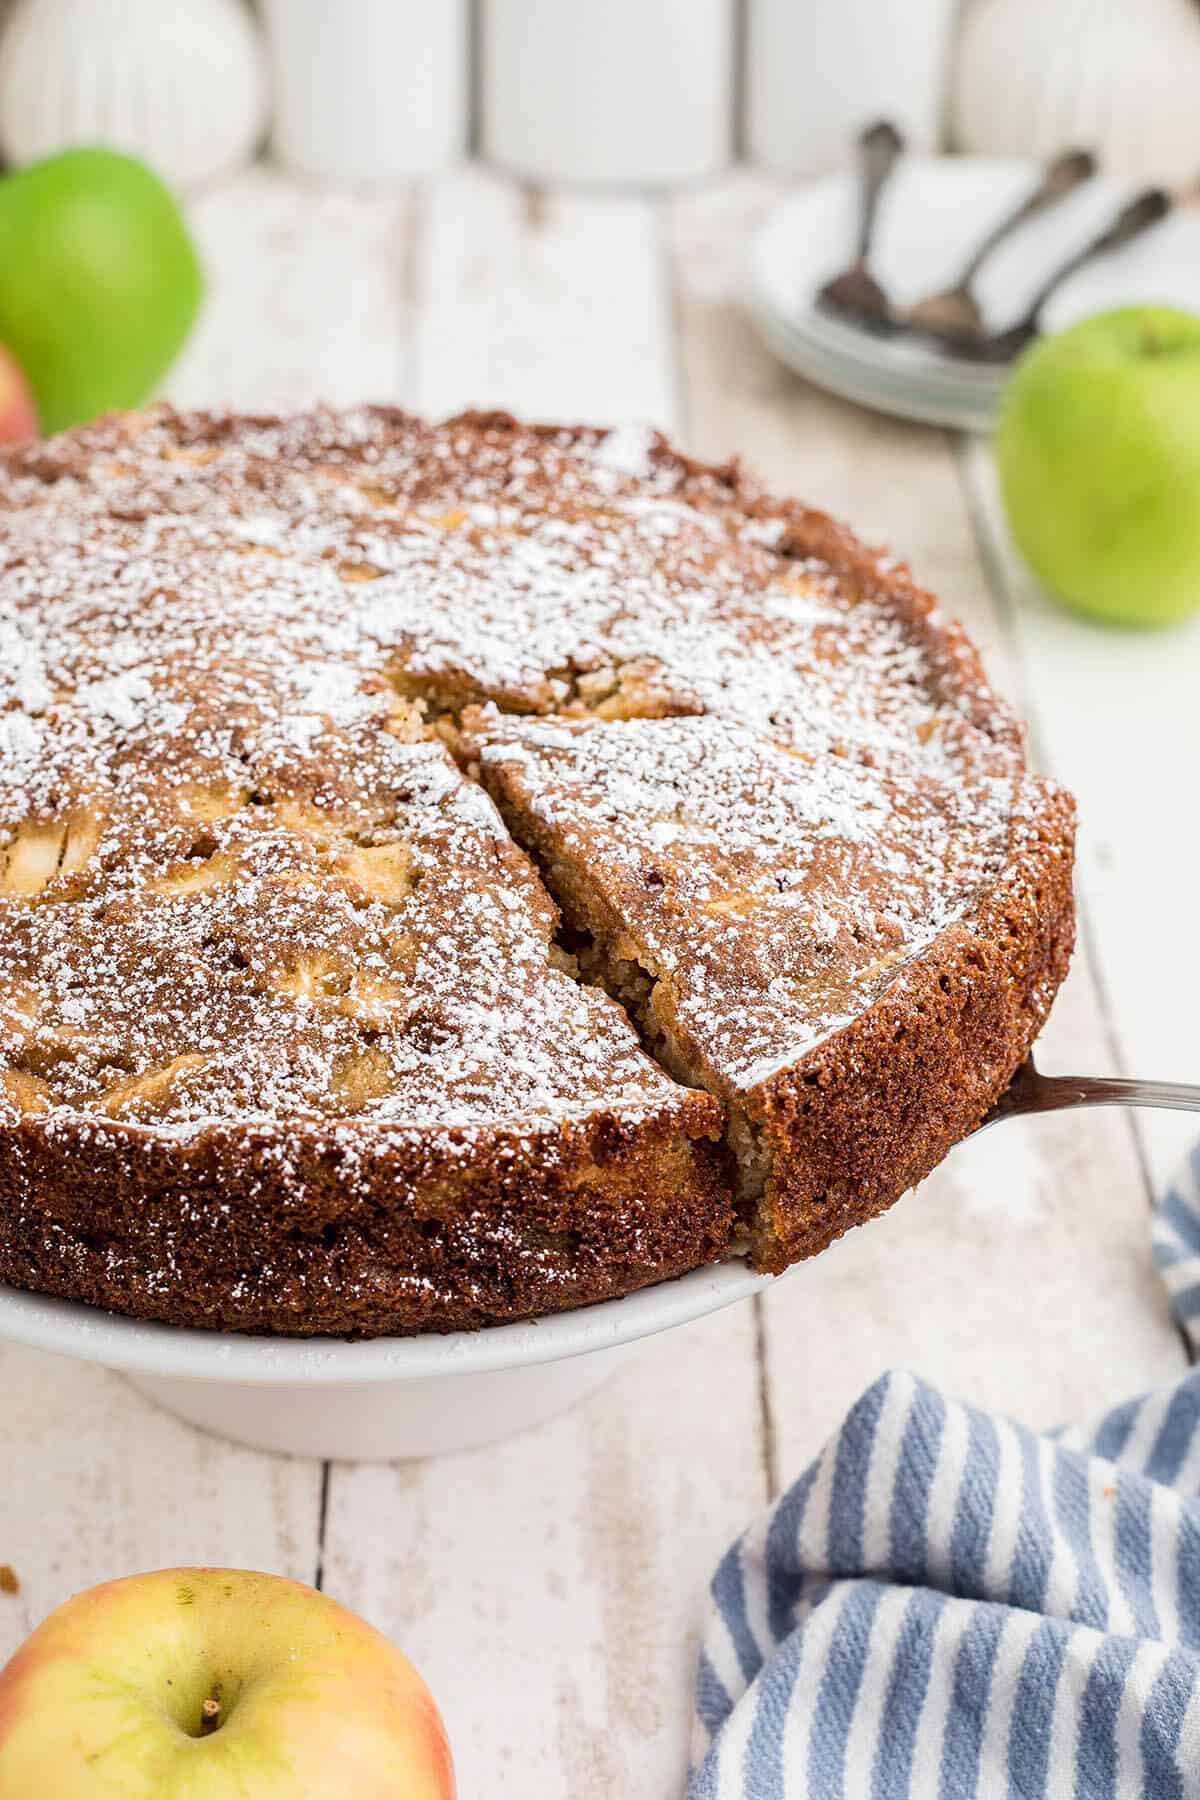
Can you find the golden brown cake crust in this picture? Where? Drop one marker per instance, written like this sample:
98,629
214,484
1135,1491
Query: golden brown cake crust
854,965
870,1113
286,1043
351,1232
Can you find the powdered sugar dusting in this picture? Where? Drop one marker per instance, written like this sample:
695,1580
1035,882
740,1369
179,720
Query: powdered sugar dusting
238,881
770,895
626,451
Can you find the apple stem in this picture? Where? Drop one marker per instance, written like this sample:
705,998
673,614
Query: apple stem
210,1716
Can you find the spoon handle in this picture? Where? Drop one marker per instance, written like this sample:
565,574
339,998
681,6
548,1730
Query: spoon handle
1062,177
1145,210
879,147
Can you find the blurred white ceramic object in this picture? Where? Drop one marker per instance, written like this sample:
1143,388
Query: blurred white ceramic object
608,90
1121,80
368,90
181,85
817,71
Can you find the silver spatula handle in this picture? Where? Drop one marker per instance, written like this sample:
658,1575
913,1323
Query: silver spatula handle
1032,1092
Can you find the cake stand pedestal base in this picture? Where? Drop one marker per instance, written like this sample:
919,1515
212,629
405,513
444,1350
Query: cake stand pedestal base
384,1421
375,1399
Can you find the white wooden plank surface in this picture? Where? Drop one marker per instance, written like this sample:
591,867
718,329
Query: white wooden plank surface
307,296
99,1482
551,1588
550,304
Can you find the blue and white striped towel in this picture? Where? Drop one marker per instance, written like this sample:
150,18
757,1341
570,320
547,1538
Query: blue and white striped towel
948,1605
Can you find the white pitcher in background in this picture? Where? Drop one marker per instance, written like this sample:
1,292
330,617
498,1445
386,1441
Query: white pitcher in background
817,71
368,90
607,90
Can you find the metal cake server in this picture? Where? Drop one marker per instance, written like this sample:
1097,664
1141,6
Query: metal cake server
1032,1092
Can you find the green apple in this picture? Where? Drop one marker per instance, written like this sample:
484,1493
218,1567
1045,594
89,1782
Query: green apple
211,1684
1098,449
99,282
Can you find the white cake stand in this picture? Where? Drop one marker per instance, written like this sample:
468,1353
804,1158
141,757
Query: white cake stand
384,1398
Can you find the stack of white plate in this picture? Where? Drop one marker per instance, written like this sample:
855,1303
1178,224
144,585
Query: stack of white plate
933,214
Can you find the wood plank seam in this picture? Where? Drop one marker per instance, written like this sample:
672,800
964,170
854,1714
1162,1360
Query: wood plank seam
322,1525
766,1405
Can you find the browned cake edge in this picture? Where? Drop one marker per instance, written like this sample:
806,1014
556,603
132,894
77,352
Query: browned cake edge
867,1114
836,1137
360,1229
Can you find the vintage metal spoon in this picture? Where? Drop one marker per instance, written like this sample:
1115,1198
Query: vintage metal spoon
855,294
955,310
1032,1092
1138,216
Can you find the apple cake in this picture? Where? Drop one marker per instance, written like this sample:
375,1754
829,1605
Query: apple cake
454,872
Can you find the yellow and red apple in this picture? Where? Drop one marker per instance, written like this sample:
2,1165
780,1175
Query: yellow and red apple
18,417
215,1684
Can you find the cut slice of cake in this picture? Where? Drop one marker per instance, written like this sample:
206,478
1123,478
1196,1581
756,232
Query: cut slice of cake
852,950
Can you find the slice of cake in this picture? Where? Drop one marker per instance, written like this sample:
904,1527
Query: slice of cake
851,950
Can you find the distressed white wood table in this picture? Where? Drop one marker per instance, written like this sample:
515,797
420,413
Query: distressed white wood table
551,1588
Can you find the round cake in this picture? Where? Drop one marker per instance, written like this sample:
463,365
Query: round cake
455,872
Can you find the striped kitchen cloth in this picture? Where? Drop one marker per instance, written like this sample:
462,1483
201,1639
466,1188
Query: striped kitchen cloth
948,1605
